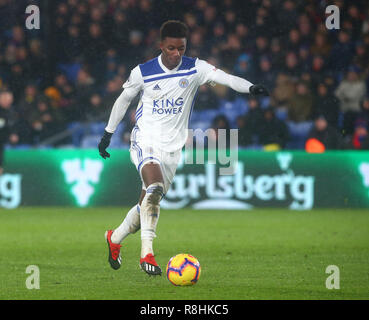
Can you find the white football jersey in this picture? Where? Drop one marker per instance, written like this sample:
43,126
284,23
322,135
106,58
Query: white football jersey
166,100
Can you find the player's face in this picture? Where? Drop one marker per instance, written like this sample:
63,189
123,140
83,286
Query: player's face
172,51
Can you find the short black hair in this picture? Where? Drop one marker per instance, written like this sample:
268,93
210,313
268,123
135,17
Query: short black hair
173,29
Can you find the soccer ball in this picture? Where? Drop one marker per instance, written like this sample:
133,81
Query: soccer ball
183,270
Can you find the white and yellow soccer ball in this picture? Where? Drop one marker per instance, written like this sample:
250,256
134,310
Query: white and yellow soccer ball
183,270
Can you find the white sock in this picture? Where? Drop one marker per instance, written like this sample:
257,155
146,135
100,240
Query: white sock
130,224
149,216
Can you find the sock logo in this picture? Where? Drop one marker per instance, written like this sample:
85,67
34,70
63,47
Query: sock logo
82,174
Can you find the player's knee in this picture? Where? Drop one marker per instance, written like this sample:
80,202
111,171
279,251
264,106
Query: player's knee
154,193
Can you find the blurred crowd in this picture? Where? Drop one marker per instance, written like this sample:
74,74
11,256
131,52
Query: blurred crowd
73,68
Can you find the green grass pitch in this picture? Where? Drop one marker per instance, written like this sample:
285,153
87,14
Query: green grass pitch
256,254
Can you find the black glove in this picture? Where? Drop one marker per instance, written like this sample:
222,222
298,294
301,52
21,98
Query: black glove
259,90
104,143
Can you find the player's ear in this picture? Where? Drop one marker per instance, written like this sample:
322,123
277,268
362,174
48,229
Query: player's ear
161,44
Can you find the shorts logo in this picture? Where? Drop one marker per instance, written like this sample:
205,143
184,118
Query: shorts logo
183,83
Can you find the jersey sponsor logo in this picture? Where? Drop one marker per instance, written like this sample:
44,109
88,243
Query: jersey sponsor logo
157,87
183,83
167,106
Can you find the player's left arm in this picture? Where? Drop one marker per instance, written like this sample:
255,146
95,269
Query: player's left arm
212,74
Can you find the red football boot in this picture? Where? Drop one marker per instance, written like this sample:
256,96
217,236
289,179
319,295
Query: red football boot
115,259
149,265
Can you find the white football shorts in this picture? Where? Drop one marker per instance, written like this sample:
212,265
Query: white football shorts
168,161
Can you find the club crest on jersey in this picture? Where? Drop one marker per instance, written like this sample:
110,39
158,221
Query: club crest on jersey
183,83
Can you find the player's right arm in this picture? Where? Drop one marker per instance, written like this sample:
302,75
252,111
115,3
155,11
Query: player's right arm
131,88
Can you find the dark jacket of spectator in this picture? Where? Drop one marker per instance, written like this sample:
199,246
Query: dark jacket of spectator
4,126
326,104
300,106
326,134
273,130
251,123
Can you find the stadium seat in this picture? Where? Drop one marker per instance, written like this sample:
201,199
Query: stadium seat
195,116
97,128
77,132
265,102
18,147
233,109
202,124
70,70
90,141
119,130
209,115
281,114
298,133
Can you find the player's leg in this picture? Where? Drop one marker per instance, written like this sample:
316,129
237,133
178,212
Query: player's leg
130,225
150,210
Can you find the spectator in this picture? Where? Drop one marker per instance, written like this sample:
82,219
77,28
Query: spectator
94,49
261,46
37,61
292,66
221,122
287,16
265,74
326,104
304,26
251,124
283,91
321,46
342,52
15,127
273,133
28,101
230,51
73,46
361,57
84,89
300,106
244,67
363,116
350,92
294,42
43,122
319,70
360,138
206,99
4,125
112,91
305,58
277,54
326,135
96,109
278,42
